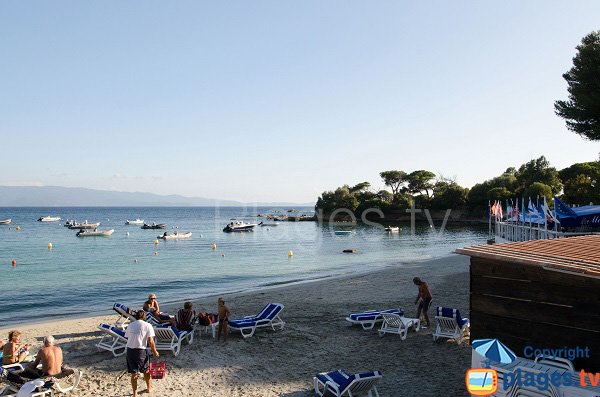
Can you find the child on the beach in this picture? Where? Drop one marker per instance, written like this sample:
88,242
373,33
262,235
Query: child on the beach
223,319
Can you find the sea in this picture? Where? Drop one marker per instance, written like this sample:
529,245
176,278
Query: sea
84,276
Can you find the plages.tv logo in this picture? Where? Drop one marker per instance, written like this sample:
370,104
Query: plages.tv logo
481,381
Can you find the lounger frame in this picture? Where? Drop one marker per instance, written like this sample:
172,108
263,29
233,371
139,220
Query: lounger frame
395,324
167,339
358,387
252,323
370,317
112,341
447,327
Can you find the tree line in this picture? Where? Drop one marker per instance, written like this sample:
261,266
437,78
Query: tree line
578,184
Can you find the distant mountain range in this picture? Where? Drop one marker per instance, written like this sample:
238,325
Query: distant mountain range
56,196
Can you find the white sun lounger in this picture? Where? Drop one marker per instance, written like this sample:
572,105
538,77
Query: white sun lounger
450,324
341,383
113,340
268,317
369,318
170,338
125,315
395,324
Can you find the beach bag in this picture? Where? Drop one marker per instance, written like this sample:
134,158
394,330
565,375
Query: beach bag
203,319
158,369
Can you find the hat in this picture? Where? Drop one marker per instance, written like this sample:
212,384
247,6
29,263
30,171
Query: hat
152,296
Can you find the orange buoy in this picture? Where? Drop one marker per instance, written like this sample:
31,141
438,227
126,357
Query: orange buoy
14,262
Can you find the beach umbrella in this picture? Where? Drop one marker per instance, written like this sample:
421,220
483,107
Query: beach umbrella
494,350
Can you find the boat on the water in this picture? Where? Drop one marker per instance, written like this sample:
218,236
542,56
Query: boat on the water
392,229
176,236
154,226
5,221
268,224
239,227
84,225
136,221
49,218
342,232
94,233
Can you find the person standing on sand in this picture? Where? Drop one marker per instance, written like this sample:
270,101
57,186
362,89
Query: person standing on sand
139,335
223,319
423,298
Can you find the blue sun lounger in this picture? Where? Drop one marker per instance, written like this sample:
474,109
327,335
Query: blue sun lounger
341,383
450,324
268,317
368,318
126,315
114,340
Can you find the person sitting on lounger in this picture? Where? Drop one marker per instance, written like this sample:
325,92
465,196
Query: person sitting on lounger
151,306
223,319
185,317
51,358
14,351
423,298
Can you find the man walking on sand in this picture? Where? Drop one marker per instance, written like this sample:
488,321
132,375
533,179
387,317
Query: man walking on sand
423,298
139,335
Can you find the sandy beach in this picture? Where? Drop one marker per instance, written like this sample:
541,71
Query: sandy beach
316,338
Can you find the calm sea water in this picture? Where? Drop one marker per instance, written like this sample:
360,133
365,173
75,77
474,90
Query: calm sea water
80,275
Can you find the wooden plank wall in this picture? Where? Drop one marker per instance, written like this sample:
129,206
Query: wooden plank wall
527,305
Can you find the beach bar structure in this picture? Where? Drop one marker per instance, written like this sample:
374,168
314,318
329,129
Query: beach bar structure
538,294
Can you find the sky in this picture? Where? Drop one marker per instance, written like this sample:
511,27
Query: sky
279,101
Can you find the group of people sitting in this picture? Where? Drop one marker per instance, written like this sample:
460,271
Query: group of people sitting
185,317
49,358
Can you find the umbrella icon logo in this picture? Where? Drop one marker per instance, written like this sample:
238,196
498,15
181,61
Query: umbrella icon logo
493,350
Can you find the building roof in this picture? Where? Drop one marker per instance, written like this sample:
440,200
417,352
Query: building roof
573,254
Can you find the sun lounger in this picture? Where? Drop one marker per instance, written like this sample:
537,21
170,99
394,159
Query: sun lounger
62,383
395,324
369,318
268,317
450,324
341,383
126,315
114,340
170,338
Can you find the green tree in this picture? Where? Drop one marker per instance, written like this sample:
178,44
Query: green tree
538,189
360,187
385,196
582,110
420,181
394,179
340,198
581,183
448,195
498,193
538,170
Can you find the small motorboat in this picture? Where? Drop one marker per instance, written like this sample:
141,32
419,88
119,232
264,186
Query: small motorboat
5,221
239,227
392,229
154,226
84,225
94,233
49,218
343,232
268,224
176,236
136,221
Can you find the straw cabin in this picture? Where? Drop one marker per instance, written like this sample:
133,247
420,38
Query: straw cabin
541,293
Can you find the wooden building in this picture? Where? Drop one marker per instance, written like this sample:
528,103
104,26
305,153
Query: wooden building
542,293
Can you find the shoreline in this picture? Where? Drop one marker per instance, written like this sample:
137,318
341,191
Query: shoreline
316,338
170,304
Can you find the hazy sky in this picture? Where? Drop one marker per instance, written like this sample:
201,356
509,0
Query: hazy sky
280,100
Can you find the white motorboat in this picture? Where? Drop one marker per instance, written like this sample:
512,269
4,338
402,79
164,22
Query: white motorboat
176,236
5,221
49,218
84,225
268,224
95,233
342,232
239,227
392,229
136,221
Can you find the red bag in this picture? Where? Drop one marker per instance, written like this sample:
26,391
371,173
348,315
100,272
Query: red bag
158,369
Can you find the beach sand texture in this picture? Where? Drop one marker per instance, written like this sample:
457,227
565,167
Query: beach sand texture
316,338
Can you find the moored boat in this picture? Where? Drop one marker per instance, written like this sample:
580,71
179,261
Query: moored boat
239,227
94,233
154,226
392,229
268,224
84,225
136,221
343,232
176,236
5,221
49,218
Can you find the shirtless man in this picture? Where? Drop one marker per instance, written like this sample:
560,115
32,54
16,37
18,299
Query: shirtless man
223,319
50,357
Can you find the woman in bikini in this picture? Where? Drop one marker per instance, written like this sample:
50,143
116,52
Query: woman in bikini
14,351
